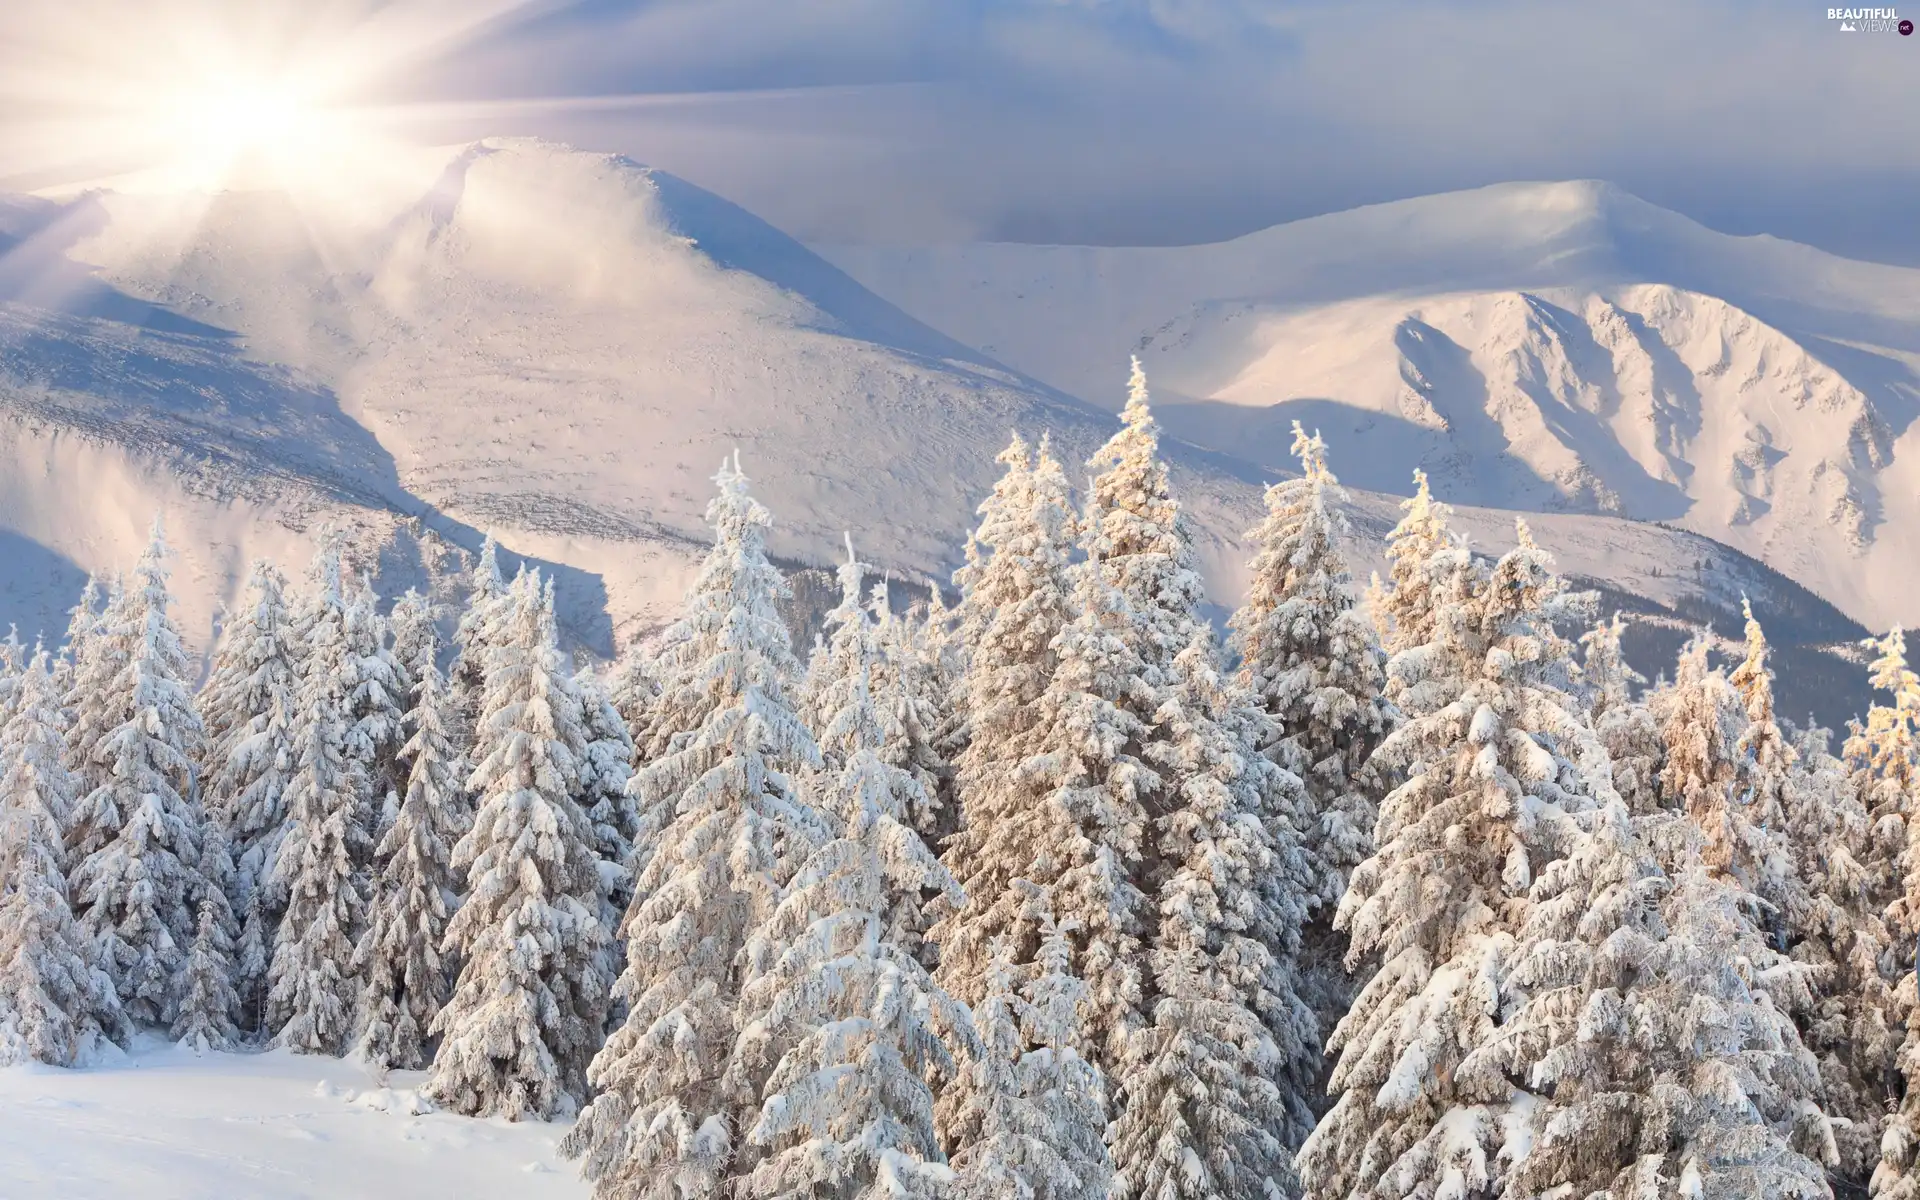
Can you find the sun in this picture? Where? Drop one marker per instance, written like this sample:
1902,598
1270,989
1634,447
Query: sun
218,95
240,129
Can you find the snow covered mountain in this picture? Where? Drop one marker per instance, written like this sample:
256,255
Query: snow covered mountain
555,344
561,346
1542,347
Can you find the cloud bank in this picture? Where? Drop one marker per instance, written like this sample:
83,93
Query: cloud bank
1166,121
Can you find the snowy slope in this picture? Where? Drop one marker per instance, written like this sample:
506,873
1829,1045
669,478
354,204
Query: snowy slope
558,346
1543,347
163,1124
554,344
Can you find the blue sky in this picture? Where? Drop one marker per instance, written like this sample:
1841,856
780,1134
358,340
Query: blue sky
1166,121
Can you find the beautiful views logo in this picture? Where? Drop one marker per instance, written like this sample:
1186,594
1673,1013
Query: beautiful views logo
1870,20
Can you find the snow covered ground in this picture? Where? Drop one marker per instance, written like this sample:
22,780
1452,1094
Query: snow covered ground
165,1124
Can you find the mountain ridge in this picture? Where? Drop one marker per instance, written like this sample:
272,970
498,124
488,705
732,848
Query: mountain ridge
468,363
1541,347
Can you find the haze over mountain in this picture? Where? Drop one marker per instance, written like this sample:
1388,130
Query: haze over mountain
1544,347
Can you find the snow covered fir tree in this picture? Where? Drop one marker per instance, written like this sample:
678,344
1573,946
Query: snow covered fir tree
1044,885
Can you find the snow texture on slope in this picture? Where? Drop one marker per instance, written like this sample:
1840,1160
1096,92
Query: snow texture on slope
164,1124
1543,347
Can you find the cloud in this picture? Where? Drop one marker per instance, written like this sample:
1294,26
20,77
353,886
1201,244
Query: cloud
1185,120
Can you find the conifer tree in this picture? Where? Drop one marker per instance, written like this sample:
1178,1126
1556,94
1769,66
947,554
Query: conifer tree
413,622
473,639
634,690
1017,599
1406,613
1766,759
1885,754
320,863
82,620
726,832
1038,1105
843,652
1841,933
529,1009
136,890
1652,1022
913,697
56,1005
1495,739
945,655
854,1027
1088,767
1135,528
606,767
101,649
248,706
1705,727
376,705
1216,1086
13,663
209,1003
1625,726
1312,661
407,974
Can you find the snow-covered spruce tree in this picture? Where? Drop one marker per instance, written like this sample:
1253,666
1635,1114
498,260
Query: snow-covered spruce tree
1087,768
849,720
82,620
842,653
913,695
1625,725
209,1002
1038,1105
1885,754
634,689
253,666
726,830
1135,528
1216,1088
606,767
1018,597
1817,886
1312,662
1751,1125
1766,759
407,976
412,624
100,649
944,658
855,1029
13,662
474,635
1491,786
1704,725
1652,1023
376,705
1310,658
1841,933
56,1004
248,707
529,1009
1405,613
136,891
320,862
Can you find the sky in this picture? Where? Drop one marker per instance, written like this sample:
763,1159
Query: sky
1158,121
